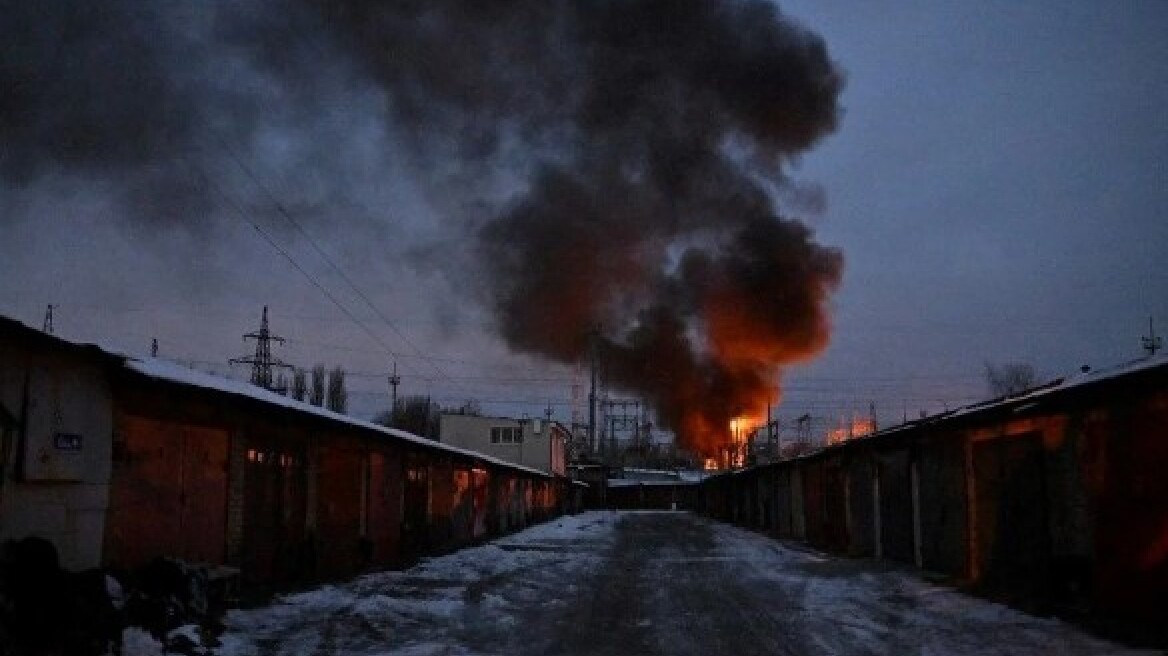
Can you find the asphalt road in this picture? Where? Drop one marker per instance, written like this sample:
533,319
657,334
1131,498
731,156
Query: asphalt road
610,584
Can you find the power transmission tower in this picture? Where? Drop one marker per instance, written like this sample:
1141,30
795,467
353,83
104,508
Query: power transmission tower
394,381
154,347
625,422
48,324
1151,341
261,362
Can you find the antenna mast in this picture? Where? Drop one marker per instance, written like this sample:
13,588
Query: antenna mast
1151,341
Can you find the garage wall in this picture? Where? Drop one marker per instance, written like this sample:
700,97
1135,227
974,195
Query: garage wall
169,493
55,464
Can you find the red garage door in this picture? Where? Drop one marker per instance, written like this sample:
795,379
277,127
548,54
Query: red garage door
168,493
385,507
274,546
1013,544
341,487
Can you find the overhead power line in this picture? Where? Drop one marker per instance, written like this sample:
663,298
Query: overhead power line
320,251
324,290
291,260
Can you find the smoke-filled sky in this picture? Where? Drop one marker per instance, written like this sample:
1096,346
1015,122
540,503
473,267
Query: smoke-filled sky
853,205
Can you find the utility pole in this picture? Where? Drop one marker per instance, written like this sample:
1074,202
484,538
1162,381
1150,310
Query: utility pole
48,324
1151,341
637,424
591,392
772,427
394,381
261,362
154,347
548,412
577,391
803,428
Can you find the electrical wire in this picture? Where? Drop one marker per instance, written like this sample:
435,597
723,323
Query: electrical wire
287,256
336,268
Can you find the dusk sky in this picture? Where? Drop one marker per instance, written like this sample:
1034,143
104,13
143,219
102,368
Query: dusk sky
997,184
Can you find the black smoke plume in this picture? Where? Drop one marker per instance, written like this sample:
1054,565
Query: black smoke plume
637,146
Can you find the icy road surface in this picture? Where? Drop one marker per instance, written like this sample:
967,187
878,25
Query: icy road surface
644,583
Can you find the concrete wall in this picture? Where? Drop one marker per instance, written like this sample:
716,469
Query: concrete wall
56,463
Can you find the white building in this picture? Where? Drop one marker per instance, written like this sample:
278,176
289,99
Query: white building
536,443
56,427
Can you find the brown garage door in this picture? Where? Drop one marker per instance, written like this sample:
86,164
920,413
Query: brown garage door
274,546
1012,537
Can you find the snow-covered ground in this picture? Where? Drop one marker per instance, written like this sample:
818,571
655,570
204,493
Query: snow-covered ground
445,605
644,583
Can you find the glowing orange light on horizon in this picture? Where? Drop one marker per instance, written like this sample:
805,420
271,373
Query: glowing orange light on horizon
858,427
741,428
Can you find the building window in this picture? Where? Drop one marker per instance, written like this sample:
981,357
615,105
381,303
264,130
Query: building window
506,435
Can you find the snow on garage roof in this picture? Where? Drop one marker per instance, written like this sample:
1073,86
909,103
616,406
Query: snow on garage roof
176,373
1064,384
179,374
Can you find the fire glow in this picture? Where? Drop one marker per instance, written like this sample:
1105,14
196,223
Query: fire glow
671,259
850,430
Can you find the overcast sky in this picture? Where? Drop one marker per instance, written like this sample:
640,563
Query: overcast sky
998,186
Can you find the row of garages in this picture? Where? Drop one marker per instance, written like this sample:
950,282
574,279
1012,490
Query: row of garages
118,461
1060,494
648,495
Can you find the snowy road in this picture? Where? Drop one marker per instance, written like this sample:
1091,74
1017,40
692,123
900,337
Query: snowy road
644,583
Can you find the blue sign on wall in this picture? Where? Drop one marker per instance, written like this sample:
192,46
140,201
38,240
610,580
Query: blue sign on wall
67,442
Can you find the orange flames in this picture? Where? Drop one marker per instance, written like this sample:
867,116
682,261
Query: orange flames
731,453
748,343
857,427
707,346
